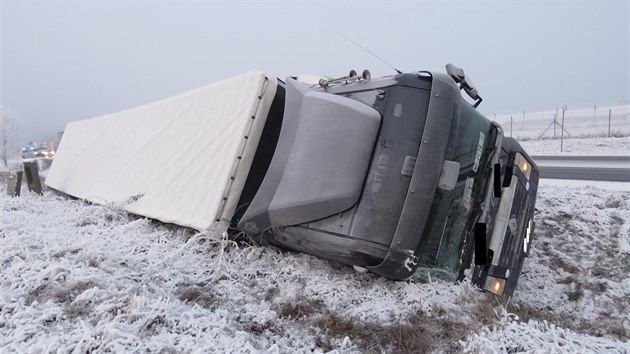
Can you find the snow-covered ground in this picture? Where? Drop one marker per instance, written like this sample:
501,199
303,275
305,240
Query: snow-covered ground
581,122
579,146
81,277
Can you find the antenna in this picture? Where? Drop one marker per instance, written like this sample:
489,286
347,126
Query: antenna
376,56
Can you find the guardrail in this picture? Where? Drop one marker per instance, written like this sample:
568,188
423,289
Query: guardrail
602,168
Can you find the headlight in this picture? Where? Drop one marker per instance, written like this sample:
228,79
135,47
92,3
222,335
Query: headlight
494,285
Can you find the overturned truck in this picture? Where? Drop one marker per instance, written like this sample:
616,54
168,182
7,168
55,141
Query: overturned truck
398,175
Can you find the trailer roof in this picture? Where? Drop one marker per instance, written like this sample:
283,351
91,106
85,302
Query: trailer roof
181,160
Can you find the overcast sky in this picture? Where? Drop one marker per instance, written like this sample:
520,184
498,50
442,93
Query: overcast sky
66,60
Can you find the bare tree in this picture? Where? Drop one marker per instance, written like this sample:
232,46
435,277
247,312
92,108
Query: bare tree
8,128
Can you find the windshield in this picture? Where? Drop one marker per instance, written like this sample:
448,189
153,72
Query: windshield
454,212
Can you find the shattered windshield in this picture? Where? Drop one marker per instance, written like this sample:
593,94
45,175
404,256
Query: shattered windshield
453,212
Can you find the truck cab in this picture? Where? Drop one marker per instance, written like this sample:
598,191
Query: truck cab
399,175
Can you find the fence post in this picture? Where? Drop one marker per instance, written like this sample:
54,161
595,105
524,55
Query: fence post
609,114
32,177
562,132
14,183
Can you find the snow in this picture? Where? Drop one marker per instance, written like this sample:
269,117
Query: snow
512,336
580,262
581,123
81,277
610,186
579,146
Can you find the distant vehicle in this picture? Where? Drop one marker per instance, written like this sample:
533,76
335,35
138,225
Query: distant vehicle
30,152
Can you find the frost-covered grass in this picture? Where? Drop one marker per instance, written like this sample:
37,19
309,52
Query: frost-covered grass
81,277
579,273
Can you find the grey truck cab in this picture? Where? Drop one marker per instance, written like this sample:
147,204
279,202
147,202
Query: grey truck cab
398,175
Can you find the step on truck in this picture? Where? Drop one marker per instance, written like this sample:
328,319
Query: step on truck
399,175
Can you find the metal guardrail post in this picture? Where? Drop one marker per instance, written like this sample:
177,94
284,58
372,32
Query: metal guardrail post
609,115
14,183
32,177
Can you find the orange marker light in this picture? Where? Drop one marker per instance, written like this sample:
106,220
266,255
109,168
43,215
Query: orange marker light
497,286
524,167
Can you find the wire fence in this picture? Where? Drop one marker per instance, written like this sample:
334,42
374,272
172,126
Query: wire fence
608,121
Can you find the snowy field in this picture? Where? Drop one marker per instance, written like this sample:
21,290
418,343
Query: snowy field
579,146
578,123
77,277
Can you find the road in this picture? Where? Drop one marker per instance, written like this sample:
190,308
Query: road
593,168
